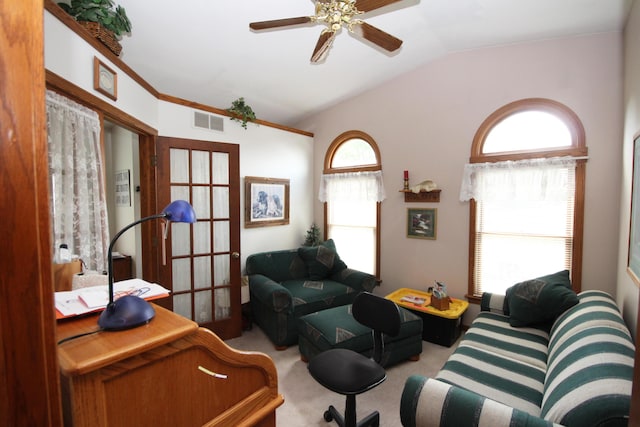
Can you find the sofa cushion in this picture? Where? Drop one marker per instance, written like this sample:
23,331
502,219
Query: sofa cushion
310,296
496,377
540,300
322,261
492,332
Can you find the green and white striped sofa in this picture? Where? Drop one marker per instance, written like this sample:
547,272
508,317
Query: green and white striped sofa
578,374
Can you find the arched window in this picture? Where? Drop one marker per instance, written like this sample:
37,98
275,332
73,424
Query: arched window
351,187
525,181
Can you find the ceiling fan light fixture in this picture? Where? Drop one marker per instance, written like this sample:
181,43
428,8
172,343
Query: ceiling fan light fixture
336,14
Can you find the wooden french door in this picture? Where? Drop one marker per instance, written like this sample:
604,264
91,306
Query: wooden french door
201,265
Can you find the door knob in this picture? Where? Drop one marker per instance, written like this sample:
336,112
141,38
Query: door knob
235,255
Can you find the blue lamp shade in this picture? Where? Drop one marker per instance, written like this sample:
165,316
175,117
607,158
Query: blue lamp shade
180,211
130,311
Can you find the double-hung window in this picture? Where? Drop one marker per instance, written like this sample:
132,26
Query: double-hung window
525,183
352,189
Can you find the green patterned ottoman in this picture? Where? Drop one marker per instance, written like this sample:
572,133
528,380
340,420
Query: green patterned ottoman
336,328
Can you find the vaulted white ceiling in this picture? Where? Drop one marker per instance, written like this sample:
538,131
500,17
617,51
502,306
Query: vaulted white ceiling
204,51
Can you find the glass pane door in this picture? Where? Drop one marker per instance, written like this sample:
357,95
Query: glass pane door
202,259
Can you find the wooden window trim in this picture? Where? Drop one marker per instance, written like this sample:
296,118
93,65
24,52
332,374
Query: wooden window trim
577,149
328,160
344,137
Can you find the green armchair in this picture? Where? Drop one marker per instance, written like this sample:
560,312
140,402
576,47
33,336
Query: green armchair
287,284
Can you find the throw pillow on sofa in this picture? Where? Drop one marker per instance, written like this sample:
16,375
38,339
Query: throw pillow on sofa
322,261
540,300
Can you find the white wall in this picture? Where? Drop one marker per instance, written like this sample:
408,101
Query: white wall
425,121
122,153
627,291
264,151
70,57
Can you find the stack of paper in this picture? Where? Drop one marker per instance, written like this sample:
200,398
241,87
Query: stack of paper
87,300
413,299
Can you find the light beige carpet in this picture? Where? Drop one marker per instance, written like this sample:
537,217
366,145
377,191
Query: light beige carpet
305,400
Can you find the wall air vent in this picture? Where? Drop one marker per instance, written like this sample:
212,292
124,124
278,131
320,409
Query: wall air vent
208,121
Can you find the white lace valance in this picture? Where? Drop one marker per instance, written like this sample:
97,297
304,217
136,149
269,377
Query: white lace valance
354,186
534,179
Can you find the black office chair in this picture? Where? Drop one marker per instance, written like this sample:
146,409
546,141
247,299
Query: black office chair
350,373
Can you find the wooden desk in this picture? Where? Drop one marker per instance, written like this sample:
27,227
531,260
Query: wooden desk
151,376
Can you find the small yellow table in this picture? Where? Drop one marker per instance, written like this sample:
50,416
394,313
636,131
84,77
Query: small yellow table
438,326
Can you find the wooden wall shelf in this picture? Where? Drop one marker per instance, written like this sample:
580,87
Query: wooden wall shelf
432,196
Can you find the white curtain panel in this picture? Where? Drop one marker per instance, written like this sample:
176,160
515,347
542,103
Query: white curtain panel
76,167
352,186
548,179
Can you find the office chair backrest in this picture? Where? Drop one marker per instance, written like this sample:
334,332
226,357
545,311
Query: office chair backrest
381,315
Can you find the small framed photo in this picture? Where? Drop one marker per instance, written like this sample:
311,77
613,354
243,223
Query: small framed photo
123,188
105,80
266,201
421,223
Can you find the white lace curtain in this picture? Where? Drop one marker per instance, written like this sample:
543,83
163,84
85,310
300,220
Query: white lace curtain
535,179
78,196
352,186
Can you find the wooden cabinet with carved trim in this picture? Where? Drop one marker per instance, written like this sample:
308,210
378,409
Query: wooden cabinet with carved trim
169,372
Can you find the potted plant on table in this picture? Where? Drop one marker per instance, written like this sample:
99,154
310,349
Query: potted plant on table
104,19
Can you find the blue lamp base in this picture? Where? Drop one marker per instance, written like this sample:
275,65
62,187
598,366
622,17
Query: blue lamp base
126,312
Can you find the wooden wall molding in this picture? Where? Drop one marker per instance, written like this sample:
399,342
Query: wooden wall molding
71,23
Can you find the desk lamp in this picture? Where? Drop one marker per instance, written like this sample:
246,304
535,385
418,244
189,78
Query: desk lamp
130,311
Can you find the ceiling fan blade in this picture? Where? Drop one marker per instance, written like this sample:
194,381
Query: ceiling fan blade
322,47
368,5
263,25
377,36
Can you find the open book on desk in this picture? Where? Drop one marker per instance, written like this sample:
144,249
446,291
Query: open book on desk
95,298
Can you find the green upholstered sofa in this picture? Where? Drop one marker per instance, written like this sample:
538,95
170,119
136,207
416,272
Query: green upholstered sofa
577,373
287,284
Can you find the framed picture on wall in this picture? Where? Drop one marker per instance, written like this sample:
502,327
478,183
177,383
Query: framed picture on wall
266,201
105,80
421,223
633,265
123,188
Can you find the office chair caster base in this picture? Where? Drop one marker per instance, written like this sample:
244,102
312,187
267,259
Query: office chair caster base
327,416
332,414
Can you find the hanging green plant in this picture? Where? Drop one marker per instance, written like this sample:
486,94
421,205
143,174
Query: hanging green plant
241,112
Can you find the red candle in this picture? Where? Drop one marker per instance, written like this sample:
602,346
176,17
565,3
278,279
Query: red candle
406,174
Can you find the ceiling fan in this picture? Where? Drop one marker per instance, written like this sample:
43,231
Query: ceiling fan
336,14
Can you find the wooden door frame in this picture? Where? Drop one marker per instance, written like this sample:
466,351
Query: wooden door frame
30,386
148,171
